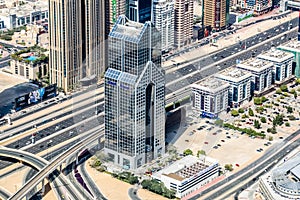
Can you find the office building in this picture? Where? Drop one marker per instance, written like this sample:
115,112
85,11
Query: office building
163,20
240,84
215,14
76,37
210,96
283,181
140,10
134,94
293,47
29,13
259,6
113,9
188,174
184,16
261,71
282,64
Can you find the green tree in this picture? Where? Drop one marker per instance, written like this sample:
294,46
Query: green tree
287,124
263,120
270,138
244,116
273,130
219,122
289,109
293,91
291,117
259,109
250,112
278,120
297,81
187,152
257,124
295,95
201,152
284,88
146,184
133,180
257,101
241,110
229,167
234,113
264,99
278,91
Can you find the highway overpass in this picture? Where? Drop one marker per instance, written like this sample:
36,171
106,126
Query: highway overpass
56,163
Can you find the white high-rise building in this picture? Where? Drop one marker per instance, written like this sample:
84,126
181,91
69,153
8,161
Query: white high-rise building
163,19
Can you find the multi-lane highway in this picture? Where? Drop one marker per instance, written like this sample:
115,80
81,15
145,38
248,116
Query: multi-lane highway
38,163
55,163
198,70
196,65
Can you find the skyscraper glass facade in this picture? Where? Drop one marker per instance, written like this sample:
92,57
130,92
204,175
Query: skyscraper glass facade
134,94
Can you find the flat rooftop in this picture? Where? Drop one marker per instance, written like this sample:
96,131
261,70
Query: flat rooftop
276,55
127,28
233,74
255,64
292,45
210,84
186,167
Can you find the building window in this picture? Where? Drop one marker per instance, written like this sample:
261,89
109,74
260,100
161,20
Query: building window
27,72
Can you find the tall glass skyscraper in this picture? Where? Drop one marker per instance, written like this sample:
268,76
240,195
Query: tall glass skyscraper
76,38
140,10
134,94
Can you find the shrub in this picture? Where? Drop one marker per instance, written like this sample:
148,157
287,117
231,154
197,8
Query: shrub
229,167
201,152
287,124
187,152
250,112
263,120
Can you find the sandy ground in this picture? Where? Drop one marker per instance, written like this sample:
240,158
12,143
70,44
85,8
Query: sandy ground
7,81
16,180
117,189
239,149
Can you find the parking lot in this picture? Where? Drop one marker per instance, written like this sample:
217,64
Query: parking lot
10,88
235,147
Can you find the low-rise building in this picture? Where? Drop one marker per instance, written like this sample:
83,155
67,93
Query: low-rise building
293,46
29,37
188,174
240,84
29,13
30,65
210,96
283,182
261,71
282,63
